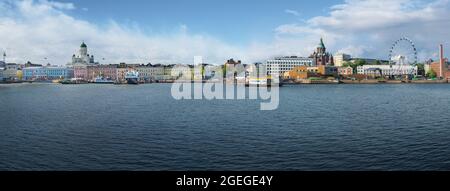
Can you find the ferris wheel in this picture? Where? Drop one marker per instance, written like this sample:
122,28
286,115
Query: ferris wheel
403,53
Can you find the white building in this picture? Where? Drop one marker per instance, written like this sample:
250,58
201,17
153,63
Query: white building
10,71
182,72
387,70
279,65
83,58
1,73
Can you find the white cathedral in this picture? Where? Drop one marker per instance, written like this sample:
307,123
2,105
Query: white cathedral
83,58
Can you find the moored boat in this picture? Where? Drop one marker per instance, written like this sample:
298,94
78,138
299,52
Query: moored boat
103,80
74,81
132,77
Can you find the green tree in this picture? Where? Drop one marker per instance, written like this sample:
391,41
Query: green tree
202,71
377,62
420,69
431,74
360,62
355,64
224,71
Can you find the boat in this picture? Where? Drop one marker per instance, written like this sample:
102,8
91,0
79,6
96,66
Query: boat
103,80
74,81
263,82
257,82
132,77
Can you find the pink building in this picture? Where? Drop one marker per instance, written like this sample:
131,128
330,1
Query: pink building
345,71
80,72
105,71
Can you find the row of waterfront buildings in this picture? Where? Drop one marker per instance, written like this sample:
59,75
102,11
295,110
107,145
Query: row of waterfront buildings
323,64
319,64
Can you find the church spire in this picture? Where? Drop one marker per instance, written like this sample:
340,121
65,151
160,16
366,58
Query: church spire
321,44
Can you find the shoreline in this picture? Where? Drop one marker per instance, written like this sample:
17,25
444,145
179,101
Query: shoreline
315,82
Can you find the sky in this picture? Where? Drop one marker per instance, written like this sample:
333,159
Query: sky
174,31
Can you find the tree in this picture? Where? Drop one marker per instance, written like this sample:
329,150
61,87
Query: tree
431,74
355,64
377,62
346,64
420,69
360,62
202,71
224,71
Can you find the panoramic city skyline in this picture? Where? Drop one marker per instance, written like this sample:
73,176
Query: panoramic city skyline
143,32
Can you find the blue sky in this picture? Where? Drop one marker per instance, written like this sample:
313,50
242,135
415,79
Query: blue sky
231,20
174,31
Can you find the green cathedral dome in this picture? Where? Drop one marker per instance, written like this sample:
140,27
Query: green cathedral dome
321,44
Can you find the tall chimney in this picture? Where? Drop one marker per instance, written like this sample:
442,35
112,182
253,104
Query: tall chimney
441,60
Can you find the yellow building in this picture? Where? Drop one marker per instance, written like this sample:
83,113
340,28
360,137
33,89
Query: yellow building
19,74
340,59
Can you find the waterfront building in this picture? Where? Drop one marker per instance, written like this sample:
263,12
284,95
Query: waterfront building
80,72
321,56
44,73
168,72
234,69
436,68
387,70
83,57
340,58
305,72
345,71
204,71
441,67
301,72
104,71
1,73
149,73
182,72
280,65
10,71
2,68
231,62
19,74
256,69
29,64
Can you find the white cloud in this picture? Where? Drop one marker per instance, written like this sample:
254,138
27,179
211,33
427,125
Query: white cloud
39,29
292,12
36,30
58,5
368,27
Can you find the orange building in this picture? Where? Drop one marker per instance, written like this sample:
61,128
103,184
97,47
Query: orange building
441,68
436,67
345,71
305,72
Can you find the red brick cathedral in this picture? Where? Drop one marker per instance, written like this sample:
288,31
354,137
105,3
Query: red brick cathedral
321,56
